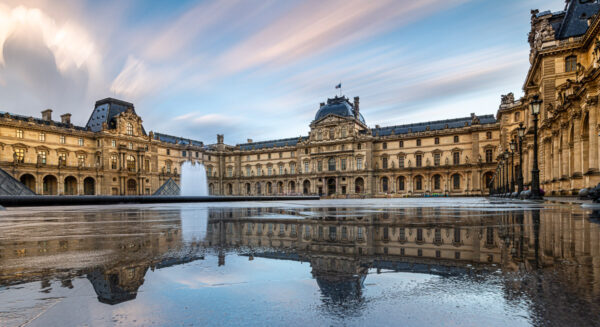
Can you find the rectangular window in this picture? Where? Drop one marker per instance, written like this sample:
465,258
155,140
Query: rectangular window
456,158
281,170
384,163
258,170
344,232
183,153
418,142
62,159
292,168
306,167
196,154
419,159
456,235
269,170
229,172
320,232
436,159
360,233
20,155
455,138
401,161
63,140
169,152
19,133
42,156
419,235
401,144
402,235
488,135
42,137
81,160
437,140
113,161
319,165
248,171
489,155
331,164
130,146
113,143
358,163
332,233
343,164
384,145
80,141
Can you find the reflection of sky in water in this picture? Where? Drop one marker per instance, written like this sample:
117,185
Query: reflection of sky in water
181,274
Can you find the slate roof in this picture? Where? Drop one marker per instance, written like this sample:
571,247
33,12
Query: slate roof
271,144
43,122
572,21
176,140
433,125
340,106
105,110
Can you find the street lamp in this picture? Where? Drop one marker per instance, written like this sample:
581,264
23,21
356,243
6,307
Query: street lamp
507,185
521,133
513,147
535,172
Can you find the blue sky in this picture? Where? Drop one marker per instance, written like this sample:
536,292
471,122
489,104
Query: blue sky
259,69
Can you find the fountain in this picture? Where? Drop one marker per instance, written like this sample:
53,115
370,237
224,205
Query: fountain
193,179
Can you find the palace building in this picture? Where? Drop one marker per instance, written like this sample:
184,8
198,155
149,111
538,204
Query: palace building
342,156
564,74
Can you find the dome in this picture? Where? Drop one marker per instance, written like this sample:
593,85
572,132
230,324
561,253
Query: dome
339,106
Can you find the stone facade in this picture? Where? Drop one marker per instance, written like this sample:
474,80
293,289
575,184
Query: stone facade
564,71
343,157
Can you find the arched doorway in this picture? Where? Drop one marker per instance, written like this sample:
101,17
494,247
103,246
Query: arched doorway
331,186
29,181
269,188
359,185
248,189
418,183
292,187
89,186
280,187
437,182
487,180
70,185
384,185
131,187
306,187
229,189
50,186
401,183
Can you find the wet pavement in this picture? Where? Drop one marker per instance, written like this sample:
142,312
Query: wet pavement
410,262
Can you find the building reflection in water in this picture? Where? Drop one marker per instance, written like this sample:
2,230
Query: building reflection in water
537,246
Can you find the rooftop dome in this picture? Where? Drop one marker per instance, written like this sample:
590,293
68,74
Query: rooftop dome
339,106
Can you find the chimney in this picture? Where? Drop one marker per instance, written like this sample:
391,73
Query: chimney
249,140
47,114
321,104
66,118
220,138
356,106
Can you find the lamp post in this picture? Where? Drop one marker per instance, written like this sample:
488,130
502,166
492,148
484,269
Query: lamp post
535,172
506,172
501,181
513,148
521,133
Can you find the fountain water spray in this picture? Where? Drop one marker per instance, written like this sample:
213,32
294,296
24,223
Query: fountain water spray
193,179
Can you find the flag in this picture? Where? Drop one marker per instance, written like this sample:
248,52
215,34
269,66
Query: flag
339,86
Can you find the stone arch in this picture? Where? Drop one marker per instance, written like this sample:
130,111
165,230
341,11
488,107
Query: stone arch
306,187
359,185
292,187
248,189
89,186
487,178
131,187
70,185
50,185
279,187
29,181
229,189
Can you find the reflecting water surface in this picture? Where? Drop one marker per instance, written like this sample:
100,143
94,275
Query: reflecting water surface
440,262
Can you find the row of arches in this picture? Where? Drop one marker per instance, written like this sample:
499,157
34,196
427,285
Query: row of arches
50,185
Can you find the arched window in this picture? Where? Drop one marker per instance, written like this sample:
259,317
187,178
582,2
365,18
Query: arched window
437,182
129,129
570,63
384,184
418,183
456,181
130,163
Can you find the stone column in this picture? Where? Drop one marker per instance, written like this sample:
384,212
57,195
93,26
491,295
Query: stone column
593,136
577,145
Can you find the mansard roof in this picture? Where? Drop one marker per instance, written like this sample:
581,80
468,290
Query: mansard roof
177,140
271,144
42,121
339,106
105,110
572,21
432,125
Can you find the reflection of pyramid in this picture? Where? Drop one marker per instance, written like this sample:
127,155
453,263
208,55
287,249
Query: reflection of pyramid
168,188
113,287
10,186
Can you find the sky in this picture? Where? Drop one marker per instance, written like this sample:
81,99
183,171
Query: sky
258,70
